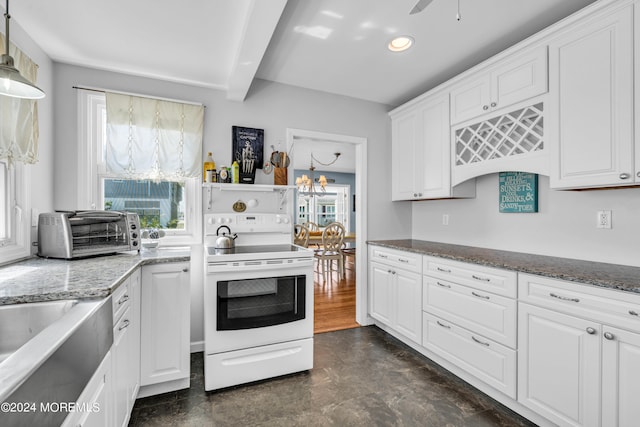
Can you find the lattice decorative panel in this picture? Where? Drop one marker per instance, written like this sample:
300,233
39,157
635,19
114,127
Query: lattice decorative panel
517,132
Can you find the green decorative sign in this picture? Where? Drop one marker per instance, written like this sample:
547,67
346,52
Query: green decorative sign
518,192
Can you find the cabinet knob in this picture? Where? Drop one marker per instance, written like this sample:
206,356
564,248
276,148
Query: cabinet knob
638,174
485,107
591,330
493,104
185,270
415,194
609,336
625,176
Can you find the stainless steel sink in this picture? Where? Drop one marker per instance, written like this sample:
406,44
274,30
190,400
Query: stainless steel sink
48,353
21,322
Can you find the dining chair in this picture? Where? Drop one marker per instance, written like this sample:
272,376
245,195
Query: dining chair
331,250
312,226
301,235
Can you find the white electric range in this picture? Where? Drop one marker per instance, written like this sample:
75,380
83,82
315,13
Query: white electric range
258,300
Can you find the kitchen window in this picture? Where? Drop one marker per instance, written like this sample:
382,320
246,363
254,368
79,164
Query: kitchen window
14,226
161,203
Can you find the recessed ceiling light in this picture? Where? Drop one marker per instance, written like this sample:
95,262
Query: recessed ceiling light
400,43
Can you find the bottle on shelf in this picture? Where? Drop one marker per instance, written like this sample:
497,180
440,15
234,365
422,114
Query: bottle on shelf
235,172
209,169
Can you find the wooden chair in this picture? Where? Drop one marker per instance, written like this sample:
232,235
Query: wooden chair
331,250
312,226
301,235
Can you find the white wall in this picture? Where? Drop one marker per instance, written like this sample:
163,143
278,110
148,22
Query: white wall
41,172
270,106
564,226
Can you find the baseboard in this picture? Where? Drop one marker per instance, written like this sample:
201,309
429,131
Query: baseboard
197,347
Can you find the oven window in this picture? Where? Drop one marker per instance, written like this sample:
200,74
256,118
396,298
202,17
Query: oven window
255,303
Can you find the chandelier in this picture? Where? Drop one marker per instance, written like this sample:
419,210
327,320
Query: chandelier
306,184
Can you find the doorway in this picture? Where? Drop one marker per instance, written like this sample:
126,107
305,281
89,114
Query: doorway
358,145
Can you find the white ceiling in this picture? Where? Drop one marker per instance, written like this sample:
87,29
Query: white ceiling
336,46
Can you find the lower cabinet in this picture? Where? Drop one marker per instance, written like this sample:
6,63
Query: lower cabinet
579,353
165,328
396,294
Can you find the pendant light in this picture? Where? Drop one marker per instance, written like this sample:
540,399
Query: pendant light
11,81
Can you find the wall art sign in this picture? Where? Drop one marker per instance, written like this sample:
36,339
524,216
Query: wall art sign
518,192
248,144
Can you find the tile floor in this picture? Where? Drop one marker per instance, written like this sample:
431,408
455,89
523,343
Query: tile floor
361,377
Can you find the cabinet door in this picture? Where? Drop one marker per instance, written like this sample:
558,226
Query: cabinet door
590,123
620,377
121,370
471,99
408,304
433,155
520,78
165,323
405,134
381,296
559,366
134,339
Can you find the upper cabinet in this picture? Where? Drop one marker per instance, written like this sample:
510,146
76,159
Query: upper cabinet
591,120
508,82
421,153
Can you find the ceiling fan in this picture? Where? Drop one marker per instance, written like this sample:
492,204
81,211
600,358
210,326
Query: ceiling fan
422,4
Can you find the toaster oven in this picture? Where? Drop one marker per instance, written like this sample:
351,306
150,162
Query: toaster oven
81,234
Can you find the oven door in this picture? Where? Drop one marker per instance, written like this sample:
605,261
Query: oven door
247,308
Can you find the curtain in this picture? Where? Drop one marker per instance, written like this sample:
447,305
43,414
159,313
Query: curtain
153,139
19,117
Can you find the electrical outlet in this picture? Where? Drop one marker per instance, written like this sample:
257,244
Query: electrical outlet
604,219
445,219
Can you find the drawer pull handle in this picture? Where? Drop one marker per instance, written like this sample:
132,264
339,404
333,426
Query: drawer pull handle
486,344
444,270
125,323
633,313
479,296
403,260
484,279
124,299
383,256
609,336
443,325
391,272
443,285
564,298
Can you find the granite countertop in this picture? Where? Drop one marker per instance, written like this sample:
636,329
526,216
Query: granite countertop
612,276
45,279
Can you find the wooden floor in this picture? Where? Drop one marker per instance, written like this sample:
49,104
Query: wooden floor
335,301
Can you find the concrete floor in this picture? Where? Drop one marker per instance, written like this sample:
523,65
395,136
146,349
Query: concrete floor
361,377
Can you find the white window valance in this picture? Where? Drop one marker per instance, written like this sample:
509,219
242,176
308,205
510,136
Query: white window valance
19,117
152,138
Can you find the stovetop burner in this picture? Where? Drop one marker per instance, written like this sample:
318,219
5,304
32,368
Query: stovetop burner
256,249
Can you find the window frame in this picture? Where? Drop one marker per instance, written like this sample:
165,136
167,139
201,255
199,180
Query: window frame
18,202
92,173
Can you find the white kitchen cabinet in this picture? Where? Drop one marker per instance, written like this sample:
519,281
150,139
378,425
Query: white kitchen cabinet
94,403
559,366
396,293
165,328
469,319
579,352
421,152
591,108
510,81
620,377
126,348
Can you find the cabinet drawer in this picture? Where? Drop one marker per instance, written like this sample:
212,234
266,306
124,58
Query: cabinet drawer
610,306
486,279
493,316
405,260
119,299
487,360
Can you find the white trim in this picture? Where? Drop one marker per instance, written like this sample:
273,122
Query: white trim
361,205
140,95
19,244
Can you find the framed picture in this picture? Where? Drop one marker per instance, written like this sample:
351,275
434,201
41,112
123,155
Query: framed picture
247,150
518,192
